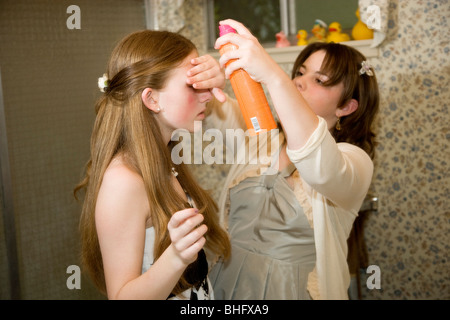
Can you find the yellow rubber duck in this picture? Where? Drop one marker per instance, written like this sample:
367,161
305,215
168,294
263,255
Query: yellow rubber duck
319,31
360,31
335,33
301,36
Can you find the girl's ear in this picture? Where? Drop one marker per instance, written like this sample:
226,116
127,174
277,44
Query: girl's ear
348,108
149,100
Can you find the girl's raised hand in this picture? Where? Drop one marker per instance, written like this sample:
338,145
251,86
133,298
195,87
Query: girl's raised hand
250,55
207,74
187,234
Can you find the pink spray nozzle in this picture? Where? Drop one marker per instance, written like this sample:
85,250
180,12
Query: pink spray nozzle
224,29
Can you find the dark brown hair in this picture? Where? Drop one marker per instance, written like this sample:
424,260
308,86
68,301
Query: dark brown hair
342,64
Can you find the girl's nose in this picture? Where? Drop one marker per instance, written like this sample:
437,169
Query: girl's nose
299,83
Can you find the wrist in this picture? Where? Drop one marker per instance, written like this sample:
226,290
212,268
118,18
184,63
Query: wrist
278,79
176,261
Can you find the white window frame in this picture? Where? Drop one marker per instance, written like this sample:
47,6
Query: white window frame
151,14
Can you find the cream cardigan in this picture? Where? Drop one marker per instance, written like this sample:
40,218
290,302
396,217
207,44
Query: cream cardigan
334,177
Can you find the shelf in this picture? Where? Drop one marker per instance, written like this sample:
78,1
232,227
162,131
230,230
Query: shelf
289,54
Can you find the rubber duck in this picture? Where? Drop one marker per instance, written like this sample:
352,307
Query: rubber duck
360,31
282,40
319,31
335,33
301,36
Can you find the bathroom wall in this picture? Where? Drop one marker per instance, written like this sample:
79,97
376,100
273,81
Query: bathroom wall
408,238
49,76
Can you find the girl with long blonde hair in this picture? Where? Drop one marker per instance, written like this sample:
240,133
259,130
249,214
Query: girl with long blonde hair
146,225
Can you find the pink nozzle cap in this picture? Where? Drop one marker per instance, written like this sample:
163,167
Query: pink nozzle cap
226,29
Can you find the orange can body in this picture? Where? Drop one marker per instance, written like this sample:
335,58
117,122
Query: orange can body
251,98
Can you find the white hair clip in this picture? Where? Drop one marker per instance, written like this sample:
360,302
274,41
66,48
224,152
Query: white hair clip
103,82
366,68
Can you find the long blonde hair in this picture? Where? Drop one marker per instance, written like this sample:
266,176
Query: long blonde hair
125,126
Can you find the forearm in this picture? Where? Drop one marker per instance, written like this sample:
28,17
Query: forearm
297,118
156,283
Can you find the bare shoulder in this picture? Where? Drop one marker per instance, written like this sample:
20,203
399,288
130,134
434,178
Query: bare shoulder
122,191
119,176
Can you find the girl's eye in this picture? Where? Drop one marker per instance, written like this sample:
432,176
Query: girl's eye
322,79
298,73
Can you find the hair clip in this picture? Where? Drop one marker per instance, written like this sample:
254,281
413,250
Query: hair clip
103,82
366,69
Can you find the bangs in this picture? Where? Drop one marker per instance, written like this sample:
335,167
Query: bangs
335,64
340,65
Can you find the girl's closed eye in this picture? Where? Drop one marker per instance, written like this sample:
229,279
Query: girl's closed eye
321,79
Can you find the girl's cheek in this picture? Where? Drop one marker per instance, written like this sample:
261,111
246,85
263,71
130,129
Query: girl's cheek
192,98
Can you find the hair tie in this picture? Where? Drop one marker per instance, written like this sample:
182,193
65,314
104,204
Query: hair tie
366,68
103,82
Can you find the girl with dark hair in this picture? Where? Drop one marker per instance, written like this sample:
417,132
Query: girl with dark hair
289,220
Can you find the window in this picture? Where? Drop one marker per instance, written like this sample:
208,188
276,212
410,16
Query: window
342,11
265,18
262,17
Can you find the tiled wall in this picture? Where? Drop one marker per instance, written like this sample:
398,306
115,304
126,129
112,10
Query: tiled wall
49,76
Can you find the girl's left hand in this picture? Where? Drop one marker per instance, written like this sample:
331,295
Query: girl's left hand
187,234
207,74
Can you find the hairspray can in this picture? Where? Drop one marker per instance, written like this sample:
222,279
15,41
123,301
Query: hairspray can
249,94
